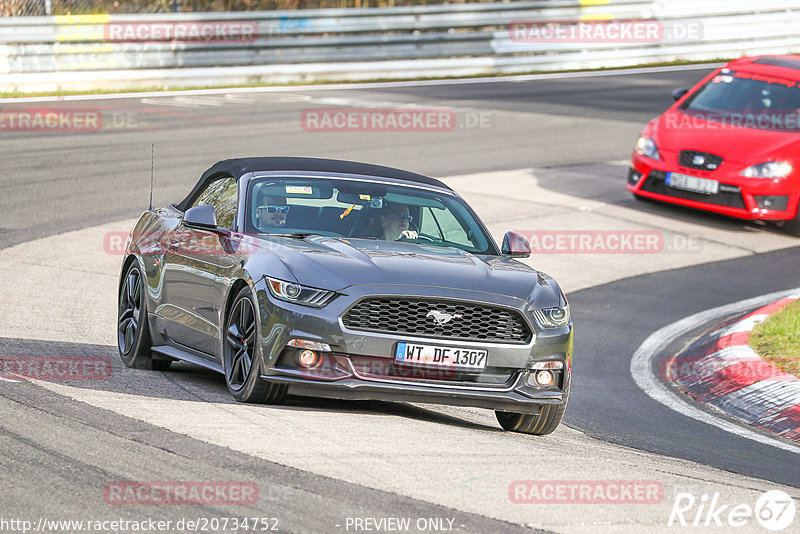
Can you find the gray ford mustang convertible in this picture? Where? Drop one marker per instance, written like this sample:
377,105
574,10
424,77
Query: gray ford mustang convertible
345,280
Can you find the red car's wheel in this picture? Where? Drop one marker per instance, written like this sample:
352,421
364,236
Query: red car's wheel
793,226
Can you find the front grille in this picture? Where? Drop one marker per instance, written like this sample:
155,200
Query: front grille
702,161
412,316
729,195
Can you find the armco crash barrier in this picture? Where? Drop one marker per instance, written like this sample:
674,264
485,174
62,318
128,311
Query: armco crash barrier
721,370
110,52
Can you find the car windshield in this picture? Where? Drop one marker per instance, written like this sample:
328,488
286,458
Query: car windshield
361,209
748,100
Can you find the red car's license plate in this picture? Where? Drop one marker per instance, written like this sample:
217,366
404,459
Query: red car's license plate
692,183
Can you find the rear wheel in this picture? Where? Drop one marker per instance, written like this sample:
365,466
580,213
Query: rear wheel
240,355
133,330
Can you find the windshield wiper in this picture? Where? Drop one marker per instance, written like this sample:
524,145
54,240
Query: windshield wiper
296,235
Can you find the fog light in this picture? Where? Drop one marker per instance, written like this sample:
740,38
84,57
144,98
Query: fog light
545,378
634,176
777,203
308,359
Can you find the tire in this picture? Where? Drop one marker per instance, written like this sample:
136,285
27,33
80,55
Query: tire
133,329
541,424
241,359
792,227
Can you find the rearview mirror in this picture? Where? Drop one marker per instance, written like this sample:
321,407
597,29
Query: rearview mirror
204,216
515,245
677,94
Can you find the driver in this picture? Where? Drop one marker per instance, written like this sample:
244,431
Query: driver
271,212
394,222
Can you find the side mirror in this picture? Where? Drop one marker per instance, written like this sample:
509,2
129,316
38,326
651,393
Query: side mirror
204,217
677,94
515,245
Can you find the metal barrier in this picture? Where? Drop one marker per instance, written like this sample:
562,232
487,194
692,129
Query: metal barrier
335,44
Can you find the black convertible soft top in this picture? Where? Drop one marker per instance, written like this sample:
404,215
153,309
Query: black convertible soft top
240,166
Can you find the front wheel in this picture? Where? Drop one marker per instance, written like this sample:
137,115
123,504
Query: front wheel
133,330
792,226
540,424
240,355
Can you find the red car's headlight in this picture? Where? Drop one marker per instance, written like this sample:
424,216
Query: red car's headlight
770,169
647,147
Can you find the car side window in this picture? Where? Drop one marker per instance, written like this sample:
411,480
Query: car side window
222,195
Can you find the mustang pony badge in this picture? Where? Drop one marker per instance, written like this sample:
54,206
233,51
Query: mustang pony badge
442,318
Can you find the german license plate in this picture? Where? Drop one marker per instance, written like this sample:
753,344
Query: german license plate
692,183
443,357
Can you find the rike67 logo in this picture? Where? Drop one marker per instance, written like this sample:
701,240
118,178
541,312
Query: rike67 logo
774,510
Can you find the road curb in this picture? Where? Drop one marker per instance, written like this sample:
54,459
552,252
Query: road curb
721,370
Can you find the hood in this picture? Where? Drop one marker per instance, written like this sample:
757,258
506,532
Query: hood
338,263
674,131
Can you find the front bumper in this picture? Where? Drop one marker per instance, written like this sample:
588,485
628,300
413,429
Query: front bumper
516,399
361,365
743,198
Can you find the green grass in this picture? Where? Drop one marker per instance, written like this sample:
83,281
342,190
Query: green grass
777,339
17,94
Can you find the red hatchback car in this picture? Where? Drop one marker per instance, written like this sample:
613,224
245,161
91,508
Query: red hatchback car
730,145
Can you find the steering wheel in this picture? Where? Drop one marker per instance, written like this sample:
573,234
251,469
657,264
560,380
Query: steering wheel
420,235
424,237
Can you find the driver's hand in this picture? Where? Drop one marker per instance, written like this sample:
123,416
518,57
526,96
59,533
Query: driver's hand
409,234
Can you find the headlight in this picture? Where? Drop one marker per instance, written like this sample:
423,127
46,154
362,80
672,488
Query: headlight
294,292
647,147
552,317
770,169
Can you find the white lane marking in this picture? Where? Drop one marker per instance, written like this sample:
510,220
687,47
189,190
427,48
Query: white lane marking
184,101
238,99
642,368
368,85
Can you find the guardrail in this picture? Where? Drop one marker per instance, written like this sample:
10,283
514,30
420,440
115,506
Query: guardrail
36,52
